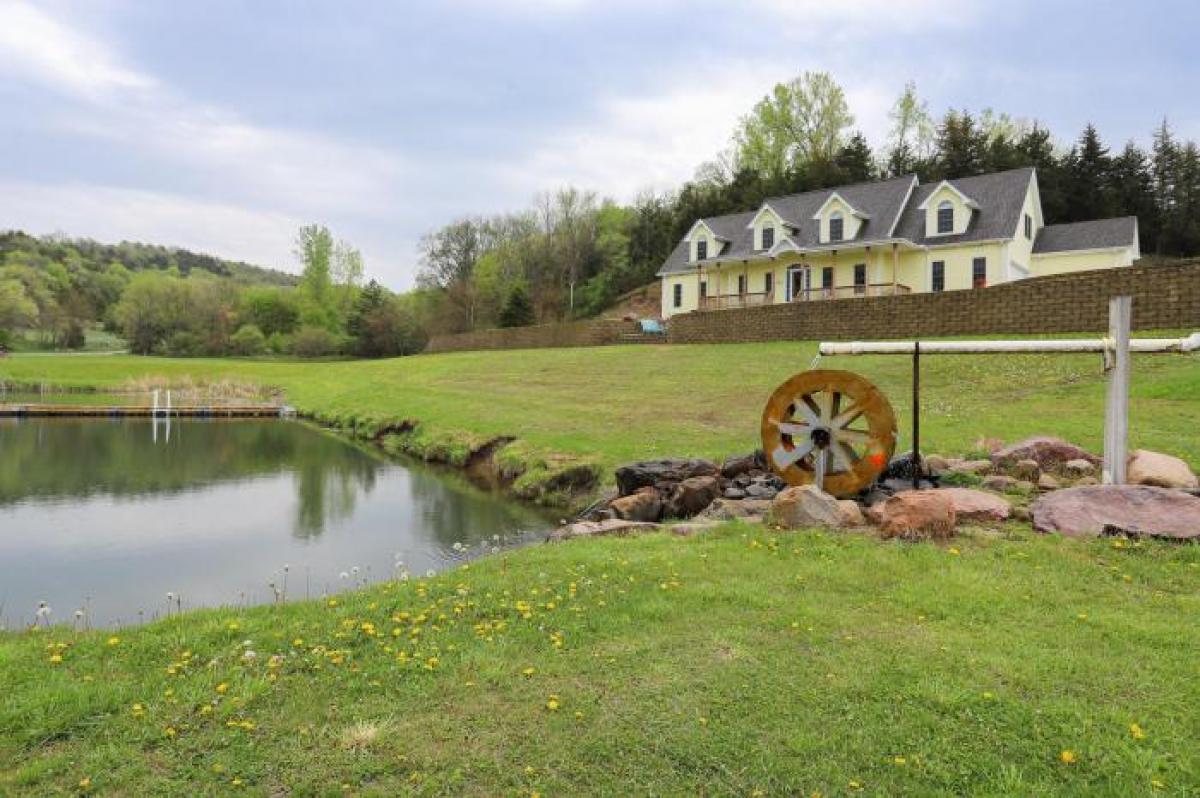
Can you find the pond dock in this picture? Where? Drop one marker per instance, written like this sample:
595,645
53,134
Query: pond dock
27,410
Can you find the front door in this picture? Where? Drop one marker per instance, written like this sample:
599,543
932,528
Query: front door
799,282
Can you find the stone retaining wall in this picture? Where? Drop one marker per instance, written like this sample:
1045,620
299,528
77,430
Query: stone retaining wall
1163,297
594,332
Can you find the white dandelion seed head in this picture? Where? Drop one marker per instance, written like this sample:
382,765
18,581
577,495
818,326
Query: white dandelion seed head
78,614
170,596
354,570
43,610
249,655
343,575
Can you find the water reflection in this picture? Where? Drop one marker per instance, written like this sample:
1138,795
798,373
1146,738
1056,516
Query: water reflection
124,511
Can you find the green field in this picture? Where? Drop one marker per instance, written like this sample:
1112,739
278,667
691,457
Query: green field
739,662
615,404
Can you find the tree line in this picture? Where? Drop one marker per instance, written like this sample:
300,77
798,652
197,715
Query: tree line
171,301
573,254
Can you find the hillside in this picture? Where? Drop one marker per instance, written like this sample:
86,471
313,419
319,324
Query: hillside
135,256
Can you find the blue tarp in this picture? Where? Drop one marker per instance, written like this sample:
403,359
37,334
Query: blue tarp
651,326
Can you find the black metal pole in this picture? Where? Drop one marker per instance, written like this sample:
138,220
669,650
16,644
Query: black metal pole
916,415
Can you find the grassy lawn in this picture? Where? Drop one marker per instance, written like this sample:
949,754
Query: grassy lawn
738,662
615,404
727,664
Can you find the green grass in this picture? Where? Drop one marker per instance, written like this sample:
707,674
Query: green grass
96,339
615,404
738,661
734,662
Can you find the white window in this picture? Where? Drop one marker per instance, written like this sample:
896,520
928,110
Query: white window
701,249
836,228
768,236
945,217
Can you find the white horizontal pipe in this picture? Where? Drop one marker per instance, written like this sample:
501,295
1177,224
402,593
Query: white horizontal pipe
1189,344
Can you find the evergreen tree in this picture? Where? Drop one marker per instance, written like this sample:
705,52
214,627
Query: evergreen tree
1036,148
855,162
517,310
1131,185
960,145
1089,179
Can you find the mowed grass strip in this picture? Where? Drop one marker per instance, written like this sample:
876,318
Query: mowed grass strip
740,662
621,403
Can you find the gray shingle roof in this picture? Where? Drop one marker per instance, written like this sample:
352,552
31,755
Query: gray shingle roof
1098,234
881,201
1000,196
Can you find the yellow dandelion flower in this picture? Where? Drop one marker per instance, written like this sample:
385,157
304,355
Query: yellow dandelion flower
170,731
1136,731
233,626
528,672
85,783
552,704
222,688
1068,757
55,659
114,641
953,550
899,760
236,782
855,785
1156,784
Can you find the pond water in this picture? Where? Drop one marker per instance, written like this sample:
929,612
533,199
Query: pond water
109,516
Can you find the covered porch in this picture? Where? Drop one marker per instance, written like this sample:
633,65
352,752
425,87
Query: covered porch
810,276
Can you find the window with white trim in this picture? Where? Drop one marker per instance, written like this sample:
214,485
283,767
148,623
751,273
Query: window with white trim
938,276
677,297
979,273
701,249
836,226
768,237
945,217
1028,227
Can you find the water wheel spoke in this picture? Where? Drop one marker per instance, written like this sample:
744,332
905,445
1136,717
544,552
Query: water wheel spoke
846,417
852,436
824,401
786,457
795,430
844,455
804,407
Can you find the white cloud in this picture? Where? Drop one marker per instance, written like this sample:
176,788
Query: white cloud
34,43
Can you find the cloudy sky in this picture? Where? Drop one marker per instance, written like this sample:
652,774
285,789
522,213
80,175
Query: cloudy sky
223,125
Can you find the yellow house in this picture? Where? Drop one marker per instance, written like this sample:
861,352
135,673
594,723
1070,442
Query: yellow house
883,238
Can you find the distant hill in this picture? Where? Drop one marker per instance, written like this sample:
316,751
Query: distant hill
136,256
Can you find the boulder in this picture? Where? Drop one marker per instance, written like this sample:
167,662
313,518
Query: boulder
654,472
689,528
1135,509
999,482
1049,453
915,515
977,505
736,466
979,467
897,485
1078,468
989,445
852,514
1027,469
1023,486
644,505
806,506
1087,481
581,529
692,495
726,510
1047,482
734,493
1155,468
936,464
761,490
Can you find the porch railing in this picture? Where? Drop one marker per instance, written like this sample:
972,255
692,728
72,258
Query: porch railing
851,291
725,301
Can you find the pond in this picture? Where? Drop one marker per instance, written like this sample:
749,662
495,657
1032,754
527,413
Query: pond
110,516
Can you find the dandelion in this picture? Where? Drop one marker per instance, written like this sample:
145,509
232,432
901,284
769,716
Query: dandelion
223,688
899,761
1136,731
354,571
55,658
552,704
430,574
85,783
528,672
170,732
954,551
1067,757
1156,784
343,576
249,655
137,710
43,612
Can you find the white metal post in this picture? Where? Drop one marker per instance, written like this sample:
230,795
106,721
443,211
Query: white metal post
1116,410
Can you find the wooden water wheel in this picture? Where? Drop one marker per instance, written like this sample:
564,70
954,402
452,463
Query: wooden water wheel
829,428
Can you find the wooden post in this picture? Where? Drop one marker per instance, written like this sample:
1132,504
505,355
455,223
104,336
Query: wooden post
1116,408
895,265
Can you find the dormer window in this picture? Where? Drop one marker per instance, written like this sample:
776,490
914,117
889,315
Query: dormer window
701,250
1029,227
768,237
835,226
945,217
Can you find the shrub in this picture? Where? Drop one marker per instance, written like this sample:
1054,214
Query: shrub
184,344
314,342
248,340
279,343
